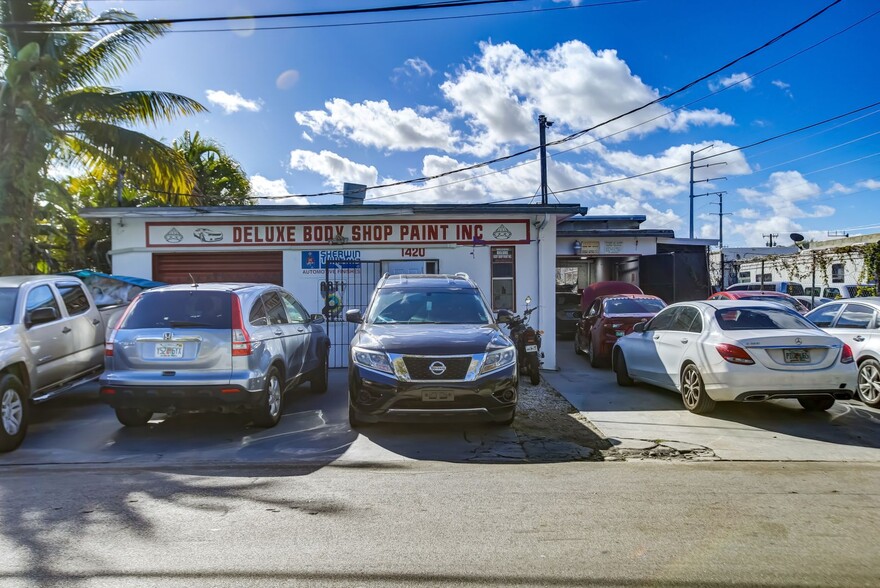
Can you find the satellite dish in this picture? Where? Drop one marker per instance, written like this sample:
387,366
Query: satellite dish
796,237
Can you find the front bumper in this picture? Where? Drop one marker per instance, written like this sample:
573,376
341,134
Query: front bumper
229,398
375,397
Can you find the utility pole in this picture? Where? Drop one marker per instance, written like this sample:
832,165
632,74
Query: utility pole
770,238
721,214
543,124
692,182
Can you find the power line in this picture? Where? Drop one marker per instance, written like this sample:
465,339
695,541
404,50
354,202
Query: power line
44,25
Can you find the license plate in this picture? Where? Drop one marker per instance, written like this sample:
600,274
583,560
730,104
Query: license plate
531,348
796,355
169,350
619,333
437,396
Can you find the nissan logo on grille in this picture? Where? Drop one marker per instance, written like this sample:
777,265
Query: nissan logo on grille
437,368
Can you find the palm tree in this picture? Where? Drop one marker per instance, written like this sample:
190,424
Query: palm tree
55,107
220,180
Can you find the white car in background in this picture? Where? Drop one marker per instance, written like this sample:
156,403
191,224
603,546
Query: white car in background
727,350
856,322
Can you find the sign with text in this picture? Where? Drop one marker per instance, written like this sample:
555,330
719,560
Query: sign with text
338,233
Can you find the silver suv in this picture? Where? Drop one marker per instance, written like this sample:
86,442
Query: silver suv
227,347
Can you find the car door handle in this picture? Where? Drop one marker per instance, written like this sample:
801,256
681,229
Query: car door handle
656,336
66,330
278,332
858,338
300,329
96,322
684,340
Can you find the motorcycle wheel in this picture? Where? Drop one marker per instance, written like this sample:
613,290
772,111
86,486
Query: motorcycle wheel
534,374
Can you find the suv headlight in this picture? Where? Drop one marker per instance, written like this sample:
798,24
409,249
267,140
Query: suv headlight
375,360
500,358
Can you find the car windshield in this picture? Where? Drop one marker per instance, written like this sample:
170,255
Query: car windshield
204,310
633,306
760,319
8,296
453,306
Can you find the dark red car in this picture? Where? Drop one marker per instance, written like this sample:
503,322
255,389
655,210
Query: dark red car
780,297
610,317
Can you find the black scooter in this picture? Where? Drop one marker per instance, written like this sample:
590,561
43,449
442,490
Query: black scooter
526,339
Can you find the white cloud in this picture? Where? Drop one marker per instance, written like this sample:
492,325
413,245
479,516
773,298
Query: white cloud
262,187
656,219
784,87
232,102
335,169
287,79
307,137
376,124
838,188
415,67
869,185
779,203
748,213
498,96
743,80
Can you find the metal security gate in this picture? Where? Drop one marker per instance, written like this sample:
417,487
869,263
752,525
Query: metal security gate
347,284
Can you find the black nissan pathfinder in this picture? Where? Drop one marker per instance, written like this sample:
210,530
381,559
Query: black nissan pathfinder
427,348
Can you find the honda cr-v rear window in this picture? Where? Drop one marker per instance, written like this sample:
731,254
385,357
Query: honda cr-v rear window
179,309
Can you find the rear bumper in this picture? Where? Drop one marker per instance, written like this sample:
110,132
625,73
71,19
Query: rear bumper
170,399
762,395
740,383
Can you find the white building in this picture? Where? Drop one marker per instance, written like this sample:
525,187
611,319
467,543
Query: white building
331,256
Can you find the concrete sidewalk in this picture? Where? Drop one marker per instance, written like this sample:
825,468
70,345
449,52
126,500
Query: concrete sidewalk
639,416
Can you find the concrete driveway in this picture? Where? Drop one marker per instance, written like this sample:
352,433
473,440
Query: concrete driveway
638,417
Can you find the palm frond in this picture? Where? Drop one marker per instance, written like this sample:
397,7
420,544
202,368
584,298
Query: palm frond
134,107
113,52
148,162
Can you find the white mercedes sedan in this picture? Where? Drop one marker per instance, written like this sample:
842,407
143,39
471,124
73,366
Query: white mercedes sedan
728,350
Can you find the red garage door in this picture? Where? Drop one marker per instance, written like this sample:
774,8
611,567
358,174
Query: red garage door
183,268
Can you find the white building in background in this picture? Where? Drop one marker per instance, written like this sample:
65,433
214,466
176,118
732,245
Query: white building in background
835,267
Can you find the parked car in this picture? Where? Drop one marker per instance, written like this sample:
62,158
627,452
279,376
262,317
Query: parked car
593,291
227,347
726,350
856,322
568,313
812,302
608,319
791,288
427,347
778,297
51,340
848,291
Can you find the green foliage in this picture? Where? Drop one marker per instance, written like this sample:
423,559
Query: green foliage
55,107
220,180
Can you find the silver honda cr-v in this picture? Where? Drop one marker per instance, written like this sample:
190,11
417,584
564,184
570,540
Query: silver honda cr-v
228,347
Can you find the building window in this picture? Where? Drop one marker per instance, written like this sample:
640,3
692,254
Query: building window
503,278
765,278
837,273
745,276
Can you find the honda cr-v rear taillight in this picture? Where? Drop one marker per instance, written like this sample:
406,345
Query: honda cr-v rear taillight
846,355
734,354
108,344
241,341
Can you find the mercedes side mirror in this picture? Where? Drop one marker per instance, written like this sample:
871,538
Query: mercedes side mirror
639,327
354,316
317,319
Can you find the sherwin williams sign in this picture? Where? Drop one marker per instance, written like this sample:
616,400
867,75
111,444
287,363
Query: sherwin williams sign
344,259
273,234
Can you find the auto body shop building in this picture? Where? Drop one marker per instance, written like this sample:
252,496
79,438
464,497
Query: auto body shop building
331,256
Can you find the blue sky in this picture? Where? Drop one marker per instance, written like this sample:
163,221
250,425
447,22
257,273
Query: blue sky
307,109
